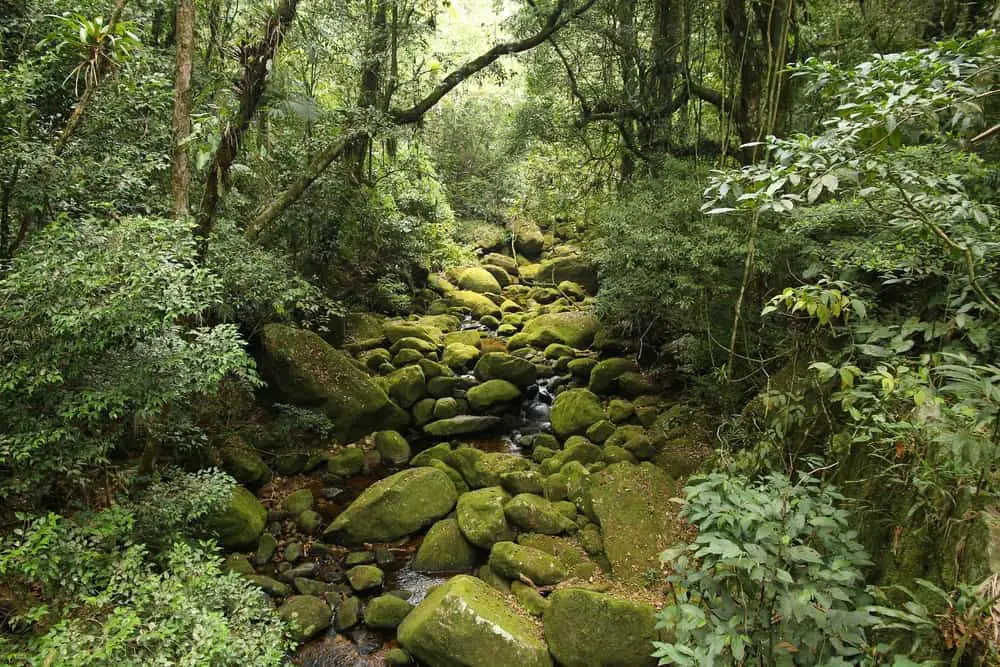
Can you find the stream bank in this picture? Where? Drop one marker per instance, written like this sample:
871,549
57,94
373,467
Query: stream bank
505,492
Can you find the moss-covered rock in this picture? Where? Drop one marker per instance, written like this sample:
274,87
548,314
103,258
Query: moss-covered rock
573,328
445,549
439,451
518,562
272,587
529,598
365,577
589,629
308,615
423,410
461,486
298,501
574,291
604,376
468,337
481,517
375,358
421,345
537,515
634,384
479,305
238,563
308,522
528,239
503,366
386,612
394,507
479,280
632,504
558,350
445,408
348,462
466,623
574,411
634,439
392,447
508,264
245,465
619,410
308,371
581,368
406,386
440,321
460,425
240,523
267,545
442,386
600,431
362,326
572,268
458,356
492,392
490,468
523,481
399,329
348,614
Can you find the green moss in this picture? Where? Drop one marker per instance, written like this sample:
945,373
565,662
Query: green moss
445,549
479,305
460,425
535,514
529,598
439,451
574,411
406,386
573,328
492,392
523,481
604,376
308,616
394,507
365,577
240,522
298,501
481,517
348,614
392,447
348,462
516,561
632,505
459,355
481,281
386,612
464,622
589,629
308,371
572,268
503,366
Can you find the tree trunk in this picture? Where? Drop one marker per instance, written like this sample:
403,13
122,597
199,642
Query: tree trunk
180,173
371,83
255,58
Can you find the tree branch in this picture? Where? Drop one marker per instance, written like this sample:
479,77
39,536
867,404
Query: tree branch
555,22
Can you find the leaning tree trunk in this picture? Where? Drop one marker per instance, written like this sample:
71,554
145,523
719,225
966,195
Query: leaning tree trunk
180,173
255,58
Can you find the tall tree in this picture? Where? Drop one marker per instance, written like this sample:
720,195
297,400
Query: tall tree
180,179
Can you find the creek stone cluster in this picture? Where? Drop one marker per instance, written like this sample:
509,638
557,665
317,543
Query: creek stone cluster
539,552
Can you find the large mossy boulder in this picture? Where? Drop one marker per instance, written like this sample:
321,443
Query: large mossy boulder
466,623
394,507
517,562
481,517
392,447
588,629
308,615
503,366
574,328
400,329
239,524
528,238
492,392
480,305
633,507
310,372
245,465
535,514
445,549
479,280
574,411
459,355
604,376
572,268
460,425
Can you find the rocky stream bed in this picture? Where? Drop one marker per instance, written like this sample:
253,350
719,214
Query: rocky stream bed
505,494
